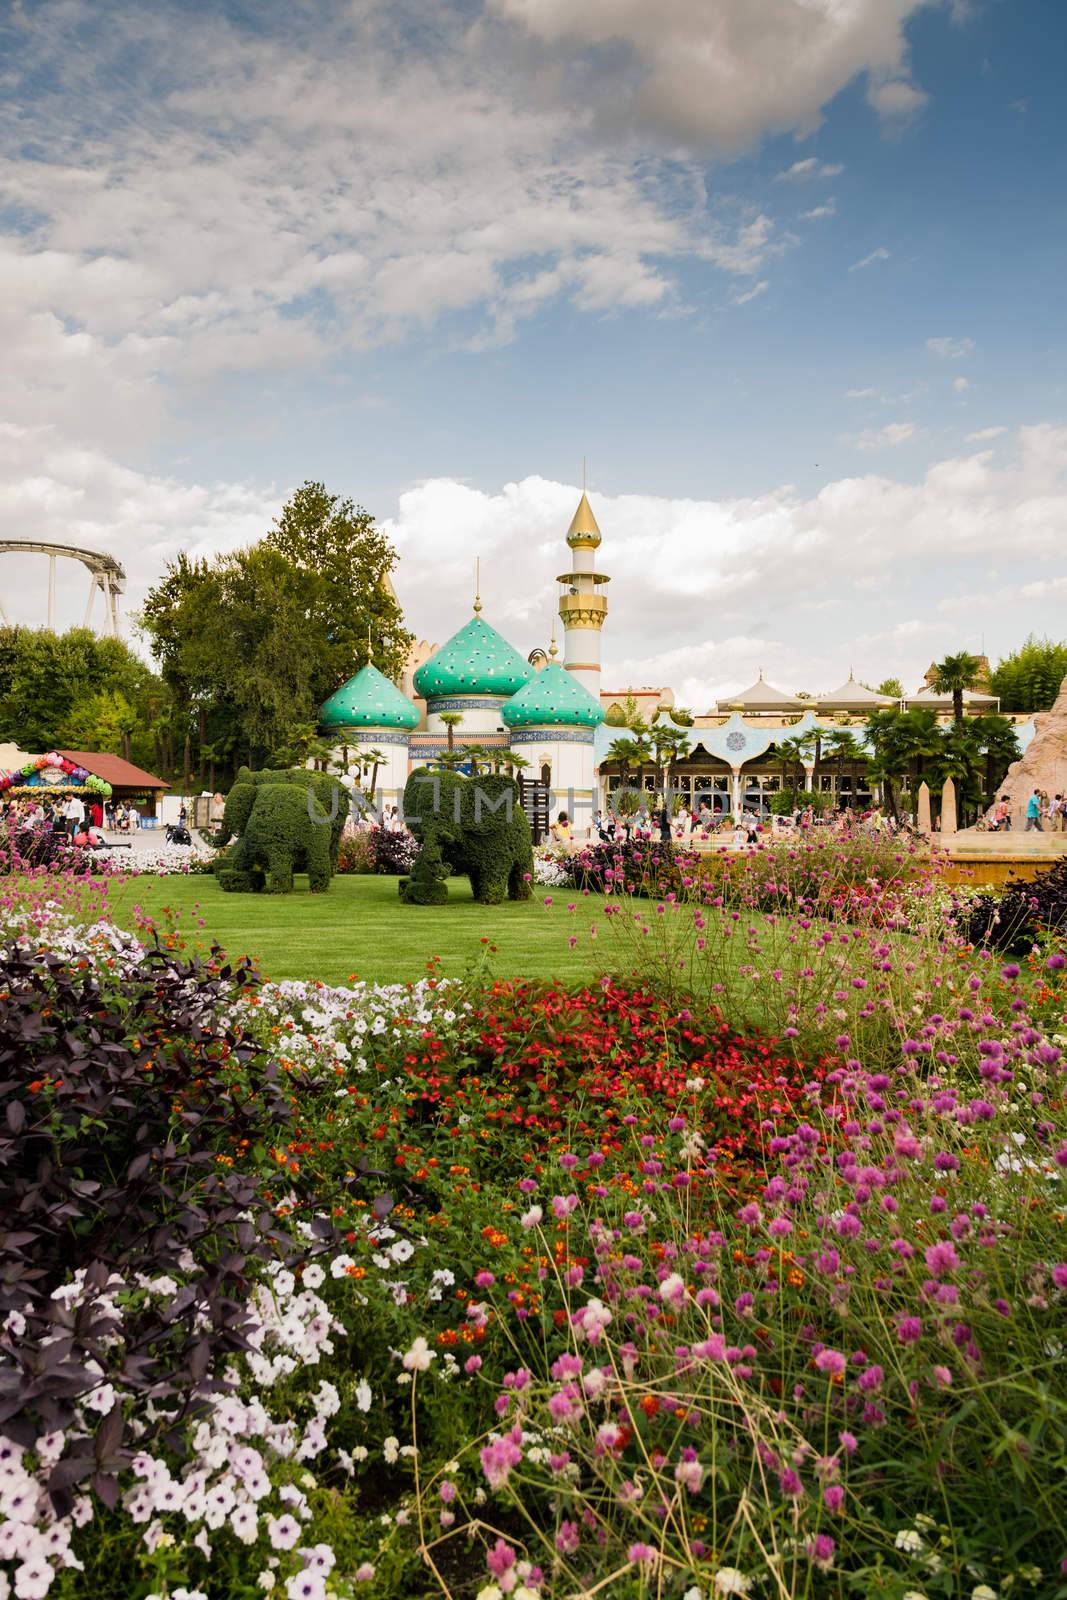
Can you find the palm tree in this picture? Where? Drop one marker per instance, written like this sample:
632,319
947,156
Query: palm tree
476,753
997,742
843,747
668,745
791,752
375,759
954,675
451,760
451,720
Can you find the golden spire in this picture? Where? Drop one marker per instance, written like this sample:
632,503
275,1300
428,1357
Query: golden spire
477,584
583,528
553,650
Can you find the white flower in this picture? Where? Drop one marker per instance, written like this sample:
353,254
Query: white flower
363,1395
418,1358
491,1592
33,1579
909,1541
531,1218
982,1591
283,1531
728,1580
313,1277
266,1580
391,1449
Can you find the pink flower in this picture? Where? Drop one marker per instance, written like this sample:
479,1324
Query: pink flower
833,1497
638,1553
1059,1275
568,1538
831,1361
941,1259
500,1559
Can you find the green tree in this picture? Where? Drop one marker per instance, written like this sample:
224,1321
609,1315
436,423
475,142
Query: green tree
347,560
451,720
998,745
952,676
892,688
53,686
103,721
844,749
251,643
1030,678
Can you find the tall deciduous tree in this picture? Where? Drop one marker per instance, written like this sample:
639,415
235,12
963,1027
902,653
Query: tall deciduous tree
253,642
1029,679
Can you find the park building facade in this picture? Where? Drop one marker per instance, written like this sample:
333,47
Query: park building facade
556,724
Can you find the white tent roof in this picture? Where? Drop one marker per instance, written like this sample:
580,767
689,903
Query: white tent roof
852,693
762,696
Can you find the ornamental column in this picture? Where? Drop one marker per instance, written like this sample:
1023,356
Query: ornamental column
582,604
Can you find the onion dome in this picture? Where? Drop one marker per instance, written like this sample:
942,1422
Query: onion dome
477,660
368,700
554,697
583,529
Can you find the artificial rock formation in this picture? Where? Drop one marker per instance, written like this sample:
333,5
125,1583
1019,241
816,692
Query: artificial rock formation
1043,765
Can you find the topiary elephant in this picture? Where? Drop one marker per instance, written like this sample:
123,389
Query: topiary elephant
285,821
475,825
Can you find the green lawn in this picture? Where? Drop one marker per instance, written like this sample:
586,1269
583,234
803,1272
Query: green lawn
360,928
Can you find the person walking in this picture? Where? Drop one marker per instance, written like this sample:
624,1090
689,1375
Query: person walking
73,814
1033,812
663,818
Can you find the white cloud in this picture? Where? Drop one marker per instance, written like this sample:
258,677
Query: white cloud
758,566
742,297
804,171
897,100
818,212
951,349
861,394
983,434
881,254
787,578
892,434
721,73
960,385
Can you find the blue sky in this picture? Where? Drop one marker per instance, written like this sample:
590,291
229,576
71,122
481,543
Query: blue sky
789,273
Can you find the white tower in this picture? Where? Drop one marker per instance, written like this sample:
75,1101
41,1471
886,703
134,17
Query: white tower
582,604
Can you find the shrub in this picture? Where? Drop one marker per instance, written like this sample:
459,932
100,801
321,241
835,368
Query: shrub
355,855
644,867
1015,920
122,1099
392,853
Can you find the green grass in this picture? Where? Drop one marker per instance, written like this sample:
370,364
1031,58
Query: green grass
360,927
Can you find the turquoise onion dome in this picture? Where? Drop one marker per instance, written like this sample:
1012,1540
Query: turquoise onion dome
477,660
368,700
554,696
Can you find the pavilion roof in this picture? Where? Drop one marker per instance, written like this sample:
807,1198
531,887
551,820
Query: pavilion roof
763,696
852,694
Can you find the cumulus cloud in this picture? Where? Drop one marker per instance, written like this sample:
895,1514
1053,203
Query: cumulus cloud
897,100
881,254
725,73
951,349
181,202
893,433
703,592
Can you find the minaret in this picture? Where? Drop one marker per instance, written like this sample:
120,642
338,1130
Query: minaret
582,603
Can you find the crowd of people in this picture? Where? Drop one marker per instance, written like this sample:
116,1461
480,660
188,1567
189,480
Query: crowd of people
654,821
1041,809
81,820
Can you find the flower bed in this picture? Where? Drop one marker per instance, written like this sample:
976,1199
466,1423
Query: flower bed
571,1288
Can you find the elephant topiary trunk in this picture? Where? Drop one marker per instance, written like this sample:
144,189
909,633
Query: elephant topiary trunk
475,825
